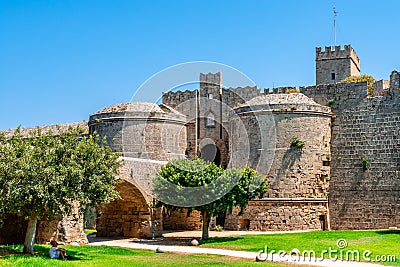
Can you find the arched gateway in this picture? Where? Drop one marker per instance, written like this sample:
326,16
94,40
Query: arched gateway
130,216
148,136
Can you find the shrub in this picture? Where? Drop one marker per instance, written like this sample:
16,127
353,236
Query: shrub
365,163
292,90
297,143
331,102
363,78
218,228
187,151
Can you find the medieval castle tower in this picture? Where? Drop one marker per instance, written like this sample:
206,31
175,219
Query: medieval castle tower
344,176
336,64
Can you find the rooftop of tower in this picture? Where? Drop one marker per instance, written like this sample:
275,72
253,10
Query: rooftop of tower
293,102
282,99
144,107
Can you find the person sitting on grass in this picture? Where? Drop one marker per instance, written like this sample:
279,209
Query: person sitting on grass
57,253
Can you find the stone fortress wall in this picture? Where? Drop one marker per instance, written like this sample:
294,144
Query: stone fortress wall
208,109
365,184
345,177
362,127
148,136
298,178
334,64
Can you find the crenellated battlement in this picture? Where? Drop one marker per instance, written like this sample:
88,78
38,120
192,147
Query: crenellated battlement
214,79
173,99
394,89
242,88
180,92
335,64
336,52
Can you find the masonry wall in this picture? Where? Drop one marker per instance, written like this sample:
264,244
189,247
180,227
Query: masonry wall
235,97
381,88
329,94
151,135
191,147
292,172
183,102
365,184
340,68
130,216
342,62
178,220
298,179
68,229
211,98
274,215
186,103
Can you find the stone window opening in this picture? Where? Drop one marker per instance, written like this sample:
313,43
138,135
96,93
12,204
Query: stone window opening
210,96
326,163
322,220
210,121
333,76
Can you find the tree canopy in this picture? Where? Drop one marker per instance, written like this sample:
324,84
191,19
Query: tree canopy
206,187
363,78
42,175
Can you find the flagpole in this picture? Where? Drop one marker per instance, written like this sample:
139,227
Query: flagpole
334,23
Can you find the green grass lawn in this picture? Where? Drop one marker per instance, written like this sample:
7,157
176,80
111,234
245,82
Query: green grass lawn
110,256
378,242
89,231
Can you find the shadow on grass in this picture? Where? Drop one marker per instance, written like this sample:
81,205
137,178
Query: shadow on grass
175,241
219,240
7,252
40,251
388,232
44,252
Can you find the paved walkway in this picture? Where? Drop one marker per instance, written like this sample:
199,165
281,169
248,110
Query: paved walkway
225,233
158,244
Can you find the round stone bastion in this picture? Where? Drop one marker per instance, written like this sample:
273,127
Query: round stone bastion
148,136
142,130
286,137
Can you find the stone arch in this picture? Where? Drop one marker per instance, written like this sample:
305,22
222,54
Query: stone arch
211,153
130,216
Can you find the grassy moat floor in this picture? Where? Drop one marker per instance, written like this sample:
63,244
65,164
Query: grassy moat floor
375,245
111,256
382,244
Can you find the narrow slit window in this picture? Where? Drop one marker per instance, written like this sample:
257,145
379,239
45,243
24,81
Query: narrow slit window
333,76
210,120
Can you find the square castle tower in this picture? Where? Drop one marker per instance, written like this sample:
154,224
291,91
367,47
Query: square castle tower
335,64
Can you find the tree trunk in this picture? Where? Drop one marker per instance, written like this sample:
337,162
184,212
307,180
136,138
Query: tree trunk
206,223
30,236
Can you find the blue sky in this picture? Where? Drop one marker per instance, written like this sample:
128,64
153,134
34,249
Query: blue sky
61,61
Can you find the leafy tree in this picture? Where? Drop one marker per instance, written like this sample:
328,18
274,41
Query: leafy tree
43,176
206,187
363,78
